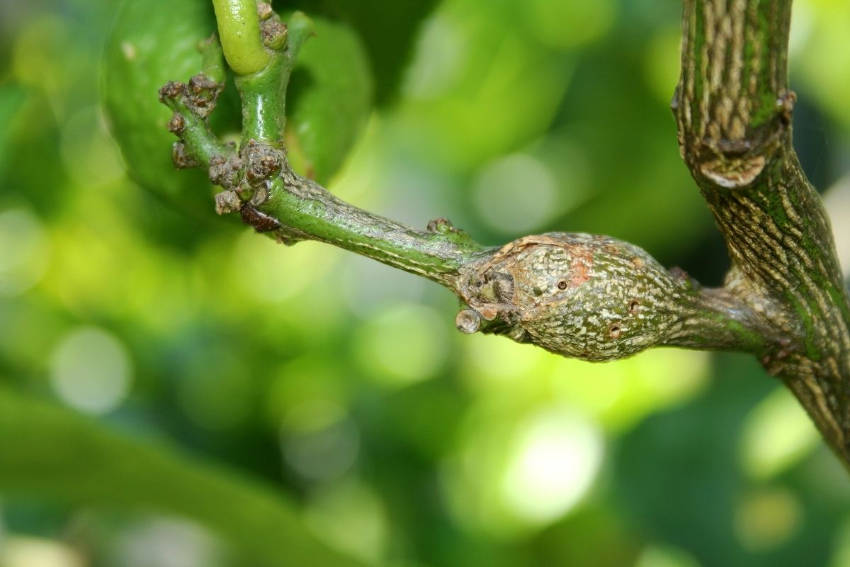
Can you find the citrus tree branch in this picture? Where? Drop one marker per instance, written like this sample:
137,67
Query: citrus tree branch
733,108
591,297
595,297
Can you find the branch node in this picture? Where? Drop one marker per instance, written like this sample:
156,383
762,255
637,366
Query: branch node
262,162
274,33
226,171
202,94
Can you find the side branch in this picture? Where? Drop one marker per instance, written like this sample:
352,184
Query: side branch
594,297
586,296
733,109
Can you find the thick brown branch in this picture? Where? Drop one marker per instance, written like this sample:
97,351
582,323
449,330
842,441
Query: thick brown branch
733,110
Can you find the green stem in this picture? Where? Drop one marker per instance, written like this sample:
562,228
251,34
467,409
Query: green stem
239,30
201,144
263,92
305,210
264,102
212,59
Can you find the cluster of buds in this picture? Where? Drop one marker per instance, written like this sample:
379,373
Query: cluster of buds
245,176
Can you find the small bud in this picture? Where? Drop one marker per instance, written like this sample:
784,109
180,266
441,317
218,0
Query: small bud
177,124
274,33
264,10
440,225
226,172
785,106
227,202
171,91
261,195
203,94
468,321
262,162
181,157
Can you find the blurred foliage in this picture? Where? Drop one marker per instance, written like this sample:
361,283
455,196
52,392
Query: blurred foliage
388,29
245,402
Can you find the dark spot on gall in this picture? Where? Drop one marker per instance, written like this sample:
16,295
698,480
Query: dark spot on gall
633,306
562,285
614,330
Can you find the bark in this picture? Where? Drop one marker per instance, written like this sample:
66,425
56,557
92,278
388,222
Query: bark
586,296
733,108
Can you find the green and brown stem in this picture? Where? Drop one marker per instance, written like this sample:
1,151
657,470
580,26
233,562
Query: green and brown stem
733,108
594,297
303,210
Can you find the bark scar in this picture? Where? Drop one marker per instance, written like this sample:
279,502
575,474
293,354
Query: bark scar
259,220
733,174
580,265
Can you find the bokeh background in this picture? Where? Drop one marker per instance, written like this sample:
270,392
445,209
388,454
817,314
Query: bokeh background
182,393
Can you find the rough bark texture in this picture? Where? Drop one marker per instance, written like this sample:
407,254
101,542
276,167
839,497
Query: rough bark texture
733,109
586,296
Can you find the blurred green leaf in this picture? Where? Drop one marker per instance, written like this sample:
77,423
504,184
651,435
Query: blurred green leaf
55,453
388,29
331,94
11,99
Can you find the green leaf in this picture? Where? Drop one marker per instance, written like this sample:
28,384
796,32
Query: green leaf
50,452
388,29
331,94
12,98
154,42
150,44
